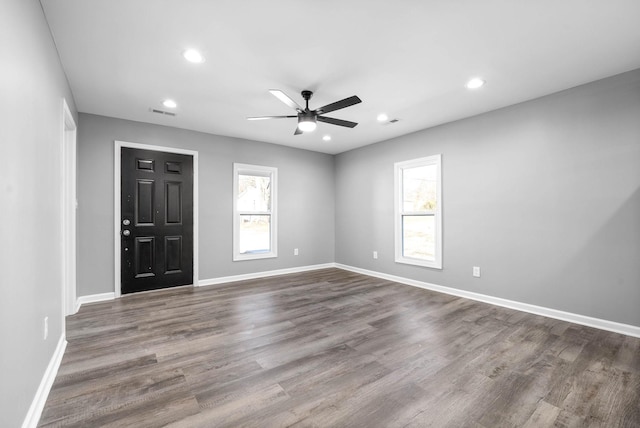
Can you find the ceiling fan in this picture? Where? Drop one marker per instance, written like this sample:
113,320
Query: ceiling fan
307,119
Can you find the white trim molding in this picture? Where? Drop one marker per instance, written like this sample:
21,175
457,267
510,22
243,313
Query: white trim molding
116,203
95,298
616,327
68,214
256,275
40,399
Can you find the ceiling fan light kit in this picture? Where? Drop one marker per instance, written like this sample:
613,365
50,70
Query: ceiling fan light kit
307,118
307,123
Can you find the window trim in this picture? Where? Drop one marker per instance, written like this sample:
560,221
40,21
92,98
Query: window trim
257,170
398,211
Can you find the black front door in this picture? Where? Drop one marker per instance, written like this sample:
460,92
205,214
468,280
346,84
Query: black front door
156,220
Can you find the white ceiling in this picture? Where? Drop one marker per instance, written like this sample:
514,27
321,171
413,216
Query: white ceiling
407,58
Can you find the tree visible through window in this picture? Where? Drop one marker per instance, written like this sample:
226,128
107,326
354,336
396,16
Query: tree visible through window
254,212
418,212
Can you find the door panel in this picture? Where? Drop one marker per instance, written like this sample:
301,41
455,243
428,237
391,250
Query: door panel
144,203
173,202
144,256
173,254
156,220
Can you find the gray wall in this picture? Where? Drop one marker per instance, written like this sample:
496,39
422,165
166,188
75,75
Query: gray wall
33,86
305,199
544,196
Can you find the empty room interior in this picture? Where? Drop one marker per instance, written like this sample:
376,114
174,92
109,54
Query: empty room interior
320,214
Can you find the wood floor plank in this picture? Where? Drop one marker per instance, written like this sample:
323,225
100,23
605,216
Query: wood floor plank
544,415
336,348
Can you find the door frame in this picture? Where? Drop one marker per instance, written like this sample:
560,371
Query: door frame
69,206
117,205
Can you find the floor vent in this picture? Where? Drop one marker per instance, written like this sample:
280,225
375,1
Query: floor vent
168,113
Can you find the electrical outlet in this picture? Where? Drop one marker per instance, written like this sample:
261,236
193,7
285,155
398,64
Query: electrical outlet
375,254
295,251
46,327
476,271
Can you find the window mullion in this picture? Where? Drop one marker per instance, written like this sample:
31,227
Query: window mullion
417,213
253,212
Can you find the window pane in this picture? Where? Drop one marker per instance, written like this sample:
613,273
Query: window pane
254,193
255,232
418,237
419,186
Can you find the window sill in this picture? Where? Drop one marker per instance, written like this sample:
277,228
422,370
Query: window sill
422,263
254,256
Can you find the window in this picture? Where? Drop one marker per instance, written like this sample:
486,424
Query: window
254,212
418,212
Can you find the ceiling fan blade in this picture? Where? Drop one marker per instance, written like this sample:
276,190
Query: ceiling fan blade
298,131
339,104
269,117
286,99
338,122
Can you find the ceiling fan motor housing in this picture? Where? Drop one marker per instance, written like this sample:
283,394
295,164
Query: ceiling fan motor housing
306,116
307,121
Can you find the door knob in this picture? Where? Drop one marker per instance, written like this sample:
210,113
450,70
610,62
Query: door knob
126,222
126,232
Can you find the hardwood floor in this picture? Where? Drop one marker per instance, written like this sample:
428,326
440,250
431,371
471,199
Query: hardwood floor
331,348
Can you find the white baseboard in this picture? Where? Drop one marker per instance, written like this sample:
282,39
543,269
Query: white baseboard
626,329
37,405
246,276
94,298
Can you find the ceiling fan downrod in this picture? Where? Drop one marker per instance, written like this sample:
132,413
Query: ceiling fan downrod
306,95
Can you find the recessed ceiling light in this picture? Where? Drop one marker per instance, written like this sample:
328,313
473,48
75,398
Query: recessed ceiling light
475,83
193,55
326,138
382,117
169,104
